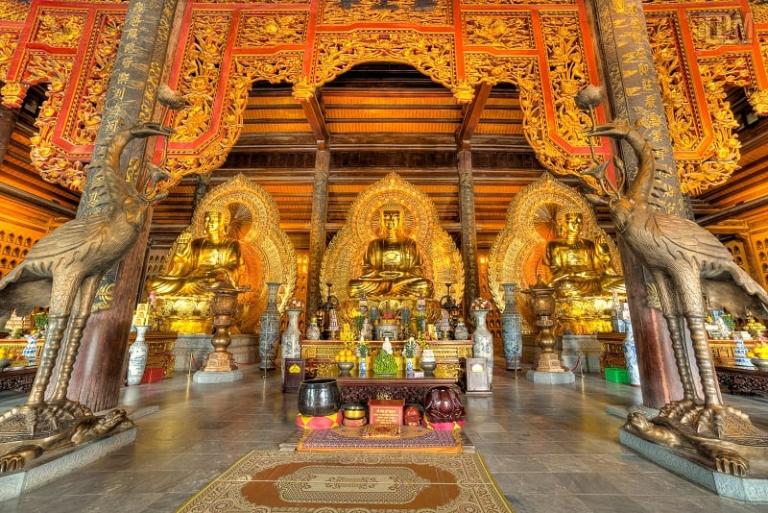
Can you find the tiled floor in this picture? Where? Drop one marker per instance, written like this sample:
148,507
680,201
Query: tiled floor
551,448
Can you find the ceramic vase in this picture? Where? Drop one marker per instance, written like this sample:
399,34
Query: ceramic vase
630,351
482,341
269,328
137,356
30,351
461,332
313,331
291,340
740,354
511,328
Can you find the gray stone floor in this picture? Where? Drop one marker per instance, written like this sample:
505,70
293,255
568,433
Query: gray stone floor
551,448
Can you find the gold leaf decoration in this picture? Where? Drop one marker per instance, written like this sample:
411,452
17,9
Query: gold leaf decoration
440,12
260,30
499,30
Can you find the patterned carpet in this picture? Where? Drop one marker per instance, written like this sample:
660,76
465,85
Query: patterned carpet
408,438
280,482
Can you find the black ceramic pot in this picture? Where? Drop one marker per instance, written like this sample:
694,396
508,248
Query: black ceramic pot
319,397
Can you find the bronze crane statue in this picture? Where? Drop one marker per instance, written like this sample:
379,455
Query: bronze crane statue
685,262
63,271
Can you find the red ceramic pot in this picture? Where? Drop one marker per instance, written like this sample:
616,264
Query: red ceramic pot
442,404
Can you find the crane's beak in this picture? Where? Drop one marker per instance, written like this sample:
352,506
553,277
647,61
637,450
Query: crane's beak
150,129
616,130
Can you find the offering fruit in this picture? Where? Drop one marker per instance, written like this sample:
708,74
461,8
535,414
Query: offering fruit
345,355
759,351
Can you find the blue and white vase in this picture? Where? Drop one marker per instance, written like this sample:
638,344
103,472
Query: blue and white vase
740,354
630,350
137,356
482,339
30,351
511,328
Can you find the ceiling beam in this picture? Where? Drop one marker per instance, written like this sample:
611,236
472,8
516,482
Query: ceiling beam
472,116
314,114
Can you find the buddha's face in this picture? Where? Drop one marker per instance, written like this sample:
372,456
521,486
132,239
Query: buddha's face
573,224
391,219
214,223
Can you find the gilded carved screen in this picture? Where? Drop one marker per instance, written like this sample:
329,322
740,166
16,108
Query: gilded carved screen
543,48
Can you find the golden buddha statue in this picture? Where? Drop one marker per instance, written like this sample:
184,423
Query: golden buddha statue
197,265
392,265
579,266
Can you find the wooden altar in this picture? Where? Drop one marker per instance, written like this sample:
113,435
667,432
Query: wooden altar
359,389
319,355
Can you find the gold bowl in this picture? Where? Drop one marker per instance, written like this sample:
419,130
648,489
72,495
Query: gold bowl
354,412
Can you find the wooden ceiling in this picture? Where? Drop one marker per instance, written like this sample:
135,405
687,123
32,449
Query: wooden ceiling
380,118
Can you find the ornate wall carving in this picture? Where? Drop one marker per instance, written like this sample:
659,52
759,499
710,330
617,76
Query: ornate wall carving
698,55
221,50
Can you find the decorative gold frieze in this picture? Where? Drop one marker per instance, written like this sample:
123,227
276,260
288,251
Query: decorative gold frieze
53,167
525,74
679,98
714,28
506,31
86,118
439,12
13,10
8,42
567,74
517,2
432,54
60,29
280,67
258,30
722,159
200,74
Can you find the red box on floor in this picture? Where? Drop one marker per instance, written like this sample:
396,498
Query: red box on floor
152,375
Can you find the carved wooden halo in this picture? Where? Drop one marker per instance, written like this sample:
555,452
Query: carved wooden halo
272,257
512,250
343,259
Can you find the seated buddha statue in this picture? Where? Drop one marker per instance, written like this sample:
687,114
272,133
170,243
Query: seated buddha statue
392,265
197,265
579,266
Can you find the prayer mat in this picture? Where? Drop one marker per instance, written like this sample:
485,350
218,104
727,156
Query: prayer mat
382,438
351,482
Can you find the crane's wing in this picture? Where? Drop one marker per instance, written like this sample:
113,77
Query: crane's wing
725,283
683,236
84,235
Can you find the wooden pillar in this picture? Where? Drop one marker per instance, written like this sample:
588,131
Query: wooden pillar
635,96
468,229
317,229
131,98
7,124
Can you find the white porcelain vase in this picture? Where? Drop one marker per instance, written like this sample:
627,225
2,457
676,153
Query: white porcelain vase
137,356
482,339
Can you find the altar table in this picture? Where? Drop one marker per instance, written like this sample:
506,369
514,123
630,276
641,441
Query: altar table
319,355
17,380
356,389
738,380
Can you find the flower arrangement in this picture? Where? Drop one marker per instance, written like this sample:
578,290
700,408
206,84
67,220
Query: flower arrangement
362,349
295,304
480,304
410,347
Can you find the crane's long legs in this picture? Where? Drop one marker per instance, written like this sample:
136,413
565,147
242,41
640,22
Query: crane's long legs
63,291
693,305
83,311
672,315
